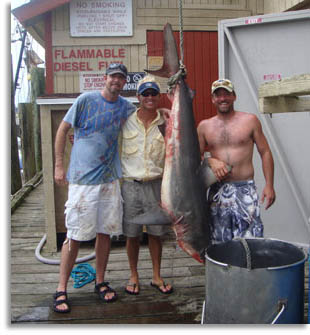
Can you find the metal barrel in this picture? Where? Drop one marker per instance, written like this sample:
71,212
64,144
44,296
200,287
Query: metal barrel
254,281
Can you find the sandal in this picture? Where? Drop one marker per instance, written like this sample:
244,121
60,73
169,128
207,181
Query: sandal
134,286
103,293
61,301
158,287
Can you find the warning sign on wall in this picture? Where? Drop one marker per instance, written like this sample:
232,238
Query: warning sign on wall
92,81
132,80
101,18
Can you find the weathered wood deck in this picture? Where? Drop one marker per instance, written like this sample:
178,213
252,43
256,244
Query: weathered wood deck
33,283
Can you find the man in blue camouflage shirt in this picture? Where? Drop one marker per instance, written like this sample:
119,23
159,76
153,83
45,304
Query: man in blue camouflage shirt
94,207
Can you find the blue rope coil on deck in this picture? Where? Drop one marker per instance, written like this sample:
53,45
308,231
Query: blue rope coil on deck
83,274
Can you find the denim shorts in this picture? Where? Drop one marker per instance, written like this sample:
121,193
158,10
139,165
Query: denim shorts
139,197
235,211
93,209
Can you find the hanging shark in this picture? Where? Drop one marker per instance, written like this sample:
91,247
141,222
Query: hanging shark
185,178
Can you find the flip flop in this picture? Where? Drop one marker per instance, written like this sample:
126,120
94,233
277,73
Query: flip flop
133,285
158,287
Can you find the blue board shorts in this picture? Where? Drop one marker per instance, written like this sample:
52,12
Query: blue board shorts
235,211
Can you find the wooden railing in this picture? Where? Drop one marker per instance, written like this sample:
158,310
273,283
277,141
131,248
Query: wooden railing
26,158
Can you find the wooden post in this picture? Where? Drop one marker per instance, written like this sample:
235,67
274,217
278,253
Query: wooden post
26,126
55,196
16,180
37,88
48,176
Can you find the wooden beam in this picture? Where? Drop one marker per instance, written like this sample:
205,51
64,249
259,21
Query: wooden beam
16,180
49,79
284,104
27,140
48,176
286,95
296,85
21,194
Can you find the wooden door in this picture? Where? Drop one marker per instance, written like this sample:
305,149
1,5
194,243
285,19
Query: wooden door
201,62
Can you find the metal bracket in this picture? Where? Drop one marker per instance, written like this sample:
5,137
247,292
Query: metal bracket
282,305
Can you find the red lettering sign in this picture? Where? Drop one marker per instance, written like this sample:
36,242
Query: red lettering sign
74,66
90,53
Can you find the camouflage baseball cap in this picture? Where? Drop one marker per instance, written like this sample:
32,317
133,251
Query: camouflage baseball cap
222,83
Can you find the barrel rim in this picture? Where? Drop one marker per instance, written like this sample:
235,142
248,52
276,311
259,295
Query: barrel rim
267,268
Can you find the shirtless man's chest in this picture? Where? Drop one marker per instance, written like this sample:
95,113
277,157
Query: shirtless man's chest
231,140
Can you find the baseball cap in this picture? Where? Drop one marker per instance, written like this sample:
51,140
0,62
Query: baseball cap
148,85
222,83
117,68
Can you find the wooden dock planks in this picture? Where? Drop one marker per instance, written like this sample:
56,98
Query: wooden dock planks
33,283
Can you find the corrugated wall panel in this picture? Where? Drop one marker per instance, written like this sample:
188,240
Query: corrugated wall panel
200,59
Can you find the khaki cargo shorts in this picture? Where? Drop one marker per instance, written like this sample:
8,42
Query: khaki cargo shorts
139,197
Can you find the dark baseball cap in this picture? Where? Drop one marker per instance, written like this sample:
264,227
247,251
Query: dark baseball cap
117,68
148,85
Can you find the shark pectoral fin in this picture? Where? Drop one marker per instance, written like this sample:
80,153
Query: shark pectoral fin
156,216
180,228
162,129
208,175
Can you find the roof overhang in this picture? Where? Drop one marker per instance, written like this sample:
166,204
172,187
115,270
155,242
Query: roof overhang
31,16
35,8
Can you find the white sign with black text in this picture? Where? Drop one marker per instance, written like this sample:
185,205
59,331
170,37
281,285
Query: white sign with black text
101,18
93,81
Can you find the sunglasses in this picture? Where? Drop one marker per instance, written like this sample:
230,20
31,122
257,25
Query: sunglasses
118,66
153,93
221,83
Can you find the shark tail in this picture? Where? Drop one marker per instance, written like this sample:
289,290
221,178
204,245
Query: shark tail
171,60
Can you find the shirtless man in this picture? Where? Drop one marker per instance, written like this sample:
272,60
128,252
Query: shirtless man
229,137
